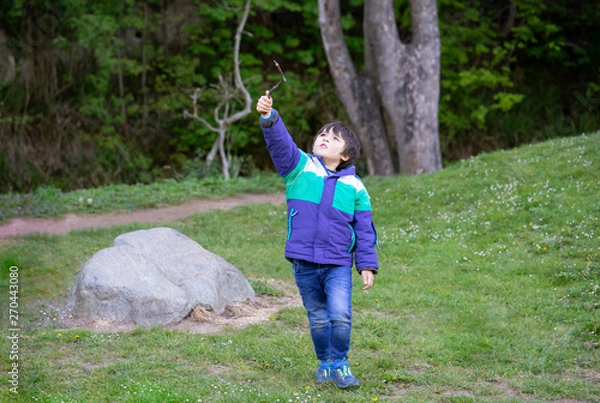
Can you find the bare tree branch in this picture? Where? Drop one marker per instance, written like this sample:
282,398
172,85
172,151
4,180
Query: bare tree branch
195,96
222,113
236,66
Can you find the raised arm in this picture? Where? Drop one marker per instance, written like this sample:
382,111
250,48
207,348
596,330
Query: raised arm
284,152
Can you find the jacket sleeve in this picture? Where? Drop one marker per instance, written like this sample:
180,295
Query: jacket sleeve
284,152
365,254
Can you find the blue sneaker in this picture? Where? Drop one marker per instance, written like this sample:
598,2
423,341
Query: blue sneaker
342,375
324,372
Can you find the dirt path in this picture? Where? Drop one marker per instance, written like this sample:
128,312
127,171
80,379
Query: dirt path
27,225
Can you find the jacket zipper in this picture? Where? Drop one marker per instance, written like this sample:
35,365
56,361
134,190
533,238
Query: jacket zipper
290,222
353,239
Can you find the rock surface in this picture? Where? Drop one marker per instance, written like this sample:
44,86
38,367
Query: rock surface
156,277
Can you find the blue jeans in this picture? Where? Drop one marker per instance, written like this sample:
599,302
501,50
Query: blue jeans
326,292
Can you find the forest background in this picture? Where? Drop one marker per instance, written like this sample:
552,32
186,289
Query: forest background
94,92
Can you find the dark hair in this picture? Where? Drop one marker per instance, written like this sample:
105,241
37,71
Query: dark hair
352,147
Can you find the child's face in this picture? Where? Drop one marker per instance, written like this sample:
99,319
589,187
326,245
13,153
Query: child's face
330,146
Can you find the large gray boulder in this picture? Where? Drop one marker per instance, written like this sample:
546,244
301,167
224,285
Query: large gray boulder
156,277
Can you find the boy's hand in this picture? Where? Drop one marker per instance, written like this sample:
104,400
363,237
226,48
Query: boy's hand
264,105
367,278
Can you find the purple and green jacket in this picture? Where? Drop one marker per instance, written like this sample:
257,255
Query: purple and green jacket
329,213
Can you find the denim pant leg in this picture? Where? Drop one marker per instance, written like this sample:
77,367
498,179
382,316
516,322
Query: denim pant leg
338,288
326,292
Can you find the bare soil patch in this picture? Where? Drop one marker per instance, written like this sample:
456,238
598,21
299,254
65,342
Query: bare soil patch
236,315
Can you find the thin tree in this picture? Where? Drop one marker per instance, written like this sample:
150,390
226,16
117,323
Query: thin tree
393,103
229,96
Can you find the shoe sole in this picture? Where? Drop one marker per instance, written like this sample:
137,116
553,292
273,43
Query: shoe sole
345,385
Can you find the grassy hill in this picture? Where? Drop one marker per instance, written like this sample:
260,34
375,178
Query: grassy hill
489,291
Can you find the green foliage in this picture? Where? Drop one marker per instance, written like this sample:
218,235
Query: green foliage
499,76
98,89
487,292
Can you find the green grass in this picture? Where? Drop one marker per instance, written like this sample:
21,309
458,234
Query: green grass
488,292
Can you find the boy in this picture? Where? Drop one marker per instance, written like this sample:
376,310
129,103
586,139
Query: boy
330,227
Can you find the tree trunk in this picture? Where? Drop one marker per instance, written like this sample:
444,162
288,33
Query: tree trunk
407,77
224,157
357,93
426,47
